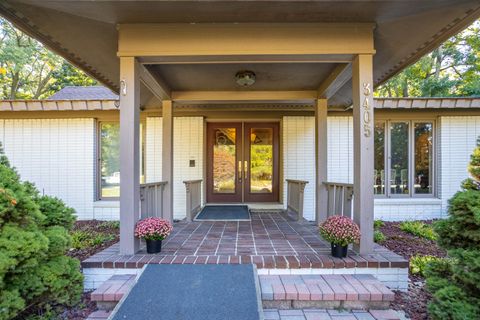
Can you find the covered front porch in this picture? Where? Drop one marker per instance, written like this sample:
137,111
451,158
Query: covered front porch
271,241
306,69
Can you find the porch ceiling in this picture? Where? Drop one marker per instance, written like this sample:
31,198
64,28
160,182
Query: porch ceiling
85,32
269,76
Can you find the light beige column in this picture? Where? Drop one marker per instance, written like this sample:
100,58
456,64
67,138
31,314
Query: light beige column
363,154
167,158
129,155
321,152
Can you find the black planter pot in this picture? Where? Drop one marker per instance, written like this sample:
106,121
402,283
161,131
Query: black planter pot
339,251
154,246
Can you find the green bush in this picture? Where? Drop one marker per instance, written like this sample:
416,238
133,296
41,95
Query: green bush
377,224
378,236
419,264
418,228
455,283
34,271
86,239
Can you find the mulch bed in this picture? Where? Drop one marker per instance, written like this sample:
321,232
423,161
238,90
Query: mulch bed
94,226
414,302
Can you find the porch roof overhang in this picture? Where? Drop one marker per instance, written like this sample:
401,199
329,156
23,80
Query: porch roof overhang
86,33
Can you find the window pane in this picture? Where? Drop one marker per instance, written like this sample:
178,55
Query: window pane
261,160
224,156
399,158
110,159
379,172
423,157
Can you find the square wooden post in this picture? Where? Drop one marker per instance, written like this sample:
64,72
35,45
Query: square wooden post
363,152
129,155
321,153
167,158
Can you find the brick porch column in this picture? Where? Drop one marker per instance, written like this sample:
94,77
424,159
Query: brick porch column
129,155
363,153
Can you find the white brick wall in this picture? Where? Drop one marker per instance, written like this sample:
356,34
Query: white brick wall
188,145
458,136
57,155
299,157
153,149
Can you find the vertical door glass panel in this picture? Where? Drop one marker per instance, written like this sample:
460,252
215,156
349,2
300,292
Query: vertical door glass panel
423,158
399,158
379,170
261,160
224,157
109,160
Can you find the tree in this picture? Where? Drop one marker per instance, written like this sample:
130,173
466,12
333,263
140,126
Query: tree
453,69
28,70
35,274
455,283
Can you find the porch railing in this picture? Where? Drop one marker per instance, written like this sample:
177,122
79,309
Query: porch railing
194,198
151,199
295,197
340,198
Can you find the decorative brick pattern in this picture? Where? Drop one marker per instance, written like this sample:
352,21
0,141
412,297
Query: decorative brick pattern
322,314
114,288
324,288
269,240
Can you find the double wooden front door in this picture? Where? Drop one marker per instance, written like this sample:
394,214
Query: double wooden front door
242,162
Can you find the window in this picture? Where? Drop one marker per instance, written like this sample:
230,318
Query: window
403,158
109,160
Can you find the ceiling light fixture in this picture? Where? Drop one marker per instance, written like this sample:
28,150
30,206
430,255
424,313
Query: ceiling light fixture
245,78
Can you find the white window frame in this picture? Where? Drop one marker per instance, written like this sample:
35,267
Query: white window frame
411,159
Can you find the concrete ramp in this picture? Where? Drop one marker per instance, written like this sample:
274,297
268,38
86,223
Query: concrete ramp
193,292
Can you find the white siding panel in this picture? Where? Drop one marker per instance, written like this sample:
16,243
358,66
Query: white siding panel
458,136
187,145
299,157
58,155
340,149
153,149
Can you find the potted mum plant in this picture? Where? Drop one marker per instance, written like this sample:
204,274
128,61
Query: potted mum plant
340,232
153,230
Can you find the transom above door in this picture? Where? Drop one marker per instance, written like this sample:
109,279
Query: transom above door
242,162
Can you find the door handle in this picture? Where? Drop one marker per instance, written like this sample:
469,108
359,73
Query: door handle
245,170
239,171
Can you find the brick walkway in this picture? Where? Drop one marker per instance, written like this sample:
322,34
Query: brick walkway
269,240
322,314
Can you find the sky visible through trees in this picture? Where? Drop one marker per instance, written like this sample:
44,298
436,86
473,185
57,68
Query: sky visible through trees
30,71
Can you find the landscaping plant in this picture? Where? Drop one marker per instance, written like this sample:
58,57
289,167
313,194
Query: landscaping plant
378,235
35,274
419,228
455,283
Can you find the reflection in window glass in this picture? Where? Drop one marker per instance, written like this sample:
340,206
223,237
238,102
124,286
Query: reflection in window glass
399,158
261,160
224,157
379,169
110,159
109,166
423,158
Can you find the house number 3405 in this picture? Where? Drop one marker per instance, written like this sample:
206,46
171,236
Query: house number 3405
367,112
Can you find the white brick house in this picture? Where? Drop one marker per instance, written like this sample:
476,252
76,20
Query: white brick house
55,143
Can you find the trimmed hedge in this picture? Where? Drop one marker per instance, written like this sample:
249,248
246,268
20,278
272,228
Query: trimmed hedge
35,274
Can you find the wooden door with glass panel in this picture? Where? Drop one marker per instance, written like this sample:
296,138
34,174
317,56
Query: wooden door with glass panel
261,153
224,157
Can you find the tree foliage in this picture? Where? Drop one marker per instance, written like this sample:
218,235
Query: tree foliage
34,272
455,283
453,69
28,70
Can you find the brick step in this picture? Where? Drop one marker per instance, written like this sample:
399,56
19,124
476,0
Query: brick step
99,315
356,291
112,291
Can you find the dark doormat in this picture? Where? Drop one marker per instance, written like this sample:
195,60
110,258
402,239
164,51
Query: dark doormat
224,213
193,292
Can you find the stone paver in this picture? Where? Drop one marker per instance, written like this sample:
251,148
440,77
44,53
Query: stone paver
320,314
356,287
270,240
